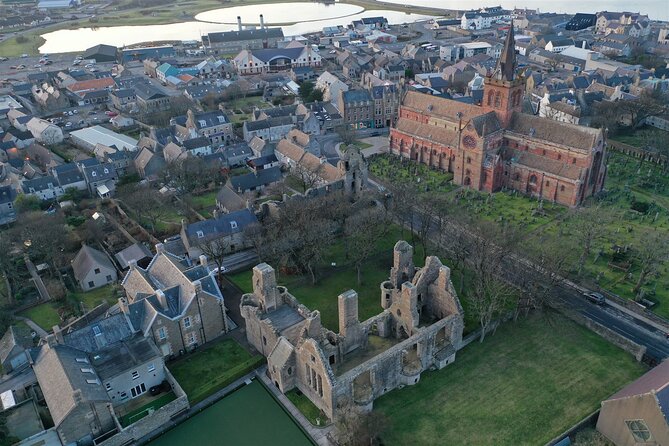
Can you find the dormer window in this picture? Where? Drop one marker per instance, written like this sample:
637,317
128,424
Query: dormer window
94,174
96,330
106,170
200,234
233,224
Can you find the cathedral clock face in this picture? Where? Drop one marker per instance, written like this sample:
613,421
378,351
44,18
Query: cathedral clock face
469,141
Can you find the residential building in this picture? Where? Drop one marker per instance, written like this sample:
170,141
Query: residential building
7,210
357,108
227,229
15,348
270,129
93,269
213,125
101,179
255,181
149,164
45,132
483,18
330,85
45,188
273,60
638,413
176,304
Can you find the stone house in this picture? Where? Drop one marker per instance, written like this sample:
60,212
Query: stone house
101,179
213,125
270,129
44,131
7,210
638,413
357,108
45,188
173,302
69,177
124,99
73,393
330,85
420,327
93,269
227,228
48,97
255,181
15,348
148,164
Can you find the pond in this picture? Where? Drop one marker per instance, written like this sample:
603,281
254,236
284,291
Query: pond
308,17
248,416
656,9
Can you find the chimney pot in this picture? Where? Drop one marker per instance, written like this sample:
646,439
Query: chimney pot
160,248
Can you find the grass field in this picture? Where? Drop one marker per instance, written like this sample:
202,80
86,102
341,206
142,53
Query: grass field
205,371
93,298
522,386
45,315
304,405
419,176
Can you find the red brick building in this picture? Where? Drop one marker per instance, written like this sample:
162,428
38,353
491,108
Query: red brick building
494,145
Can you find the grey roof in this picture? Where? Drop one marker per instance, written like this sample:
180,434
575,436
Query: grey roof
356,96
7,194
222,226
68,175
148,92
99,334
253,180
267,54
380,91
210,119
247,34
262,160
268,123
135,252
103,50
124,93
124,356
39,184
14,336
88,258
100,172
59,372
196,143
229,199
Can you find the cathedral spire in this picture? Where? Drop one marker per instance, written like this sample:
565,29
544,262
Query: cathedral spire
506,65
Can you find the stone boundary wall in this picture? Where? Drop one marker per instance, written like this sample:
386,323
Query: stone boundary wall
589,420
616,339
157,419
637,152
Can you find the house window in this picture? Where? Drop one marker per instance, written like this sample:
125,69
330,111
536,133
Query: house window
124,395
562,188
108,386
96,270
96,330
109,278
135,374
151,367
94,174
91,284
187,322
138,390
200,234
233,224
161,333
639,430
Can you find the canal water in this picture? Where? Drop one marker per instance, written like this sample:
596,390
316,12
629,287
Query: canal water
247,417
306,17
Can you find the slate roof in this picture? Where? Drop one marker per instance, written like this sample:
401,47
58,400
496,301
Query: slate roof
268,123
136,252
7,194
111,330
210,119
247,34
223,226
356,96
60,375
229,199
262,160
148,92
40,184
254,180
100,172
88,258
120,357
196,143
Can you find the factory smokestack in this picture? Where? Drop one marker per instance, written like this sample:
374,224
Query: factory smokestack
239,22
262,22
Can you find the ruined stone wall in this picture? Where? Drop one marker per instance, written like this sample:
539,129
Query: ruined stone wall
314,377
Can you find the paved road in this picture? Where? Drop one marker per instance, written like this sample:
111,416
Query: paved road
625,323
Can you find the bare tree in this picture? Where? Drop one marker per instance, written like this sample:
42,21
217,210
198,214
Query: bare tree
192,174
648,104
650,254
40,244
363,232
216,251
489,294
347,134
306,175
355,427
146,203
589,226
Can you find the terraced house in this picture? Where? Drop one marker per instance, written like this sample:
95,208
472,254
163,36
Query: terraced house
176,303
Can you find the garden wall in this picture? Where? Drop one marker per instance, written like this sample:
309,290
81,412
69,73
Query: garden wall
635,349
160,418
637,152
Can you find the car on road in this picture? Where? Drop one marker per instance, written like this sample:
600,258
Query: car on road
13,67
110,113
75,111
222,268
595,298
76,62
37,66
3,59
68,125
24,55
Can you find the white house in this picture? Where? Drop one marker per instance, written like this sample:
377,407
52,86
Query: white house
483,18
44,131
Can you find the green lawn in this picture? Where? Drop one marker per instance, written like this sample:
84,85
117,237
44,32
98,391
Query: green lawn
424,179
45,315
308,409
522,386
93,298
210,369
204,203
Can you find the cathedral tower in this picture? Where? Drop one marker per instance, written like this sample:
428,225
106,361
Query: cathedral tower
503,90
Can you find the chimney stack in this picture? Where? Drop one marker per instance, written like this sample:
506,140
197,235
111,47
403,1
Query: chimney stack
239,22
262,22
203,260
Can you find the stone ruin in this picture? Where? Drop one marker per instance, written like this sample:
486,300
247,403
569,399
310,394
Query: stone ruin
419,328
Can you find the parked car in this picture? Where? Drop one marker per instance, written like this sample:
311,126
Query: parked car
3,59
595,298
68,125
24,55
